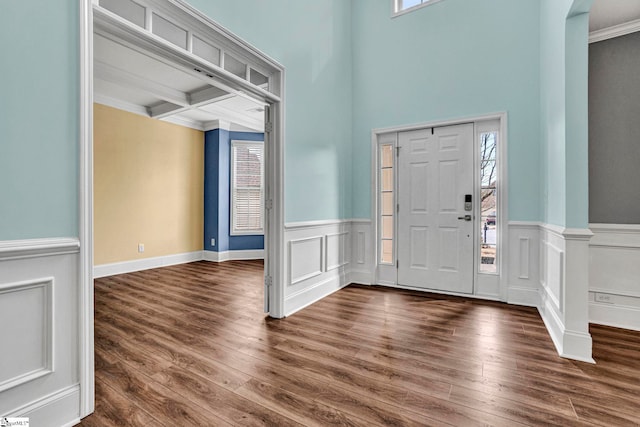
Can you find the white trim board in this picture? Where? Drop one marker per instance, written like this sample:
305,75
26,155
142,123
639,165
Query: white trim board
105,270
233,255
31,248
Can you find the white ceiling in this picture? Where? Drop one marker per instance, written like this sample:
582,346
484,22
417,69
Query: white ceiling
141,83
608,13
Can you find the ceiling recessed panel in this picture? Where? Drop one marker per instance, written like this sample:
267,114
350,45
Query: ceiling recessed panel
127,95
119,56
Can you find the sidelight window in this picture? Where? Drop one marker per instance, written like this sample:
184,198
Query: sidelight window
488,202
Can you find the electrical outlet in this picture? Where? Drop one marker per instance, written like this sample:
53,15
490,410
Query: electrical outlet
140,247
603,297
213,242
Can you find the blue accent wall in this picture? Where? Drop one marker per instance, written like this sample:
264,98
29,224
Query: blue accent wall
217,192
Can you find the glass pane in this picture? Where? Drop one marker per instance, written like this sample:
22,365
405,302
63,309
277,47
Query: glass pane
406,4
386,155
387,179
387,251
387,203
488,202
387,227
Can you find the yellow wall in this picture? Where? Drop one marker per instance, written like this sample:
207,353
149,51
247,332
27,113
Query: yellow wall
148,187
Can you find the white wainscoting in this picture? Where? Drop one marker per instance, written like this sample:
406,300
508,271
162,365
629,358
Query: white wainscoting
320,259
523,260
563,289
39,302
362,252
614,275
552,247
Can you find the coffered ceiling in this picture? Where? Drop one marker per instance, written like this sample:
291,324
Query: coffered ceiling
135,80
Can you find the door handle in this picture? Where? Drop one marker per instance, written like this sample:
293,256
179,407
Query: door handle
465,218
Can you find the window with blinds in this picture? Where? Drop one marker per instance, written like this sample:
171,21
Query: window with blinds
247,187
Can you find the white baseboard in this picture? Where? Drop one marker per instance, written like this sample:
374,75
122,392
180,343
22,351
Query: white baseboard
360,277
61,408
523,296
233,255
307,296
145,264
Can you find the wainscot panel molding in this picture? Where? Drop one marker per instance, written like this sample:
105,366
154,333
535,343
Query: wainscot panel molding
523,264
29,354
362,269
563,257
614,272
40,289
318,261
104,270
240,255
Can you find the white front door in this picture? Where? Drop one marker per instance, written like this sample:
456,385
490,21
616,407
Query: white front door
435,232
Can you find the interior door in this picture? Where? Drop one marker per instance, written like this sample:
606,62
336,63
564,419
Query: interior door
435,232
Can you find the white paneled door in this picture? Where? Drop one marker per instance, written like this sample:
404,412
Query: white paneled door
435,232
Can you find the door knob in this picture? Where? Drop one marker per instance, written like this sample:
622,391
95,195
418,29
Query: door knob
465,218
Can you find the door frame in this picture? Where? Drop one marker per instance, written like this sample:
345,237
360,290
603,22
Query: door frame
502,205
274,186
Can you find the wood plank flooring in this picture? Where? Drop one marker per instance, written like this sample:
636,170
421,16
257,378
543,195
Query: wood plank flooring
189,345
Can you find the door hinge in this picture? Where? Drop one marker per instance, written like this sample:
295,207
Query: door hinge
268,281
268,204
268,127
398,150
398,207
397,263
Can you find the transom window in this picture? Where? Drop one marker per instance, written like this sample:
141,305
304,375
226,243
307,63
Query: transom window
247,187
402,6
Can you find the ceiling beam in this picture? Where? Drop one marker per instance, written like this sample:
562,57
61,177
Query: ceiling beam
196,99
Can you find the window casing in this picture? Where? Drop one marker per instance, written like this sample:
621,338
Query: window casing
247,187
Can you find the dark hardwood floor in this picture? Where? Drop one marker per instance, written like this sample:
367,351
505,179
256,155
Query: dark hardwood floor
189,345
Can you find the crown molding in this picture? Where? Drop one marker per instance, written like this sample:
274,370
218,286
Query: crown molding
615,31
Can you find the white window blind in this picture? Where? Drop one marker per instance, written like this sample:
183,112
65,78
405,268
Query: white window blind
247,187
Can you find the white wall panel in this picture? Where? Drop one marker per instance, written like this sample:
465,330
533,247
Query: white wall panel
319,260
39,330
305,259
26,331
614,275
523,264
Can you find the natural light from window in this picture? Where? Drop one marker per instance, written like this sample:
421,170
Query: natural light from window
401,6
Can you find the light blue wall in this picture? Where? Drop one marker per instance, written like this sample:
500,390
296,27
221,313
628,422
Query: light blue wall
553,15
39,119
563,112
453,59
312,39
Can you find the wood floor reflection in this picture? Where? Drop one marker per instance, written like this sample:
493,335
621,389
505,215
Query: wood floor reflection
189,345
